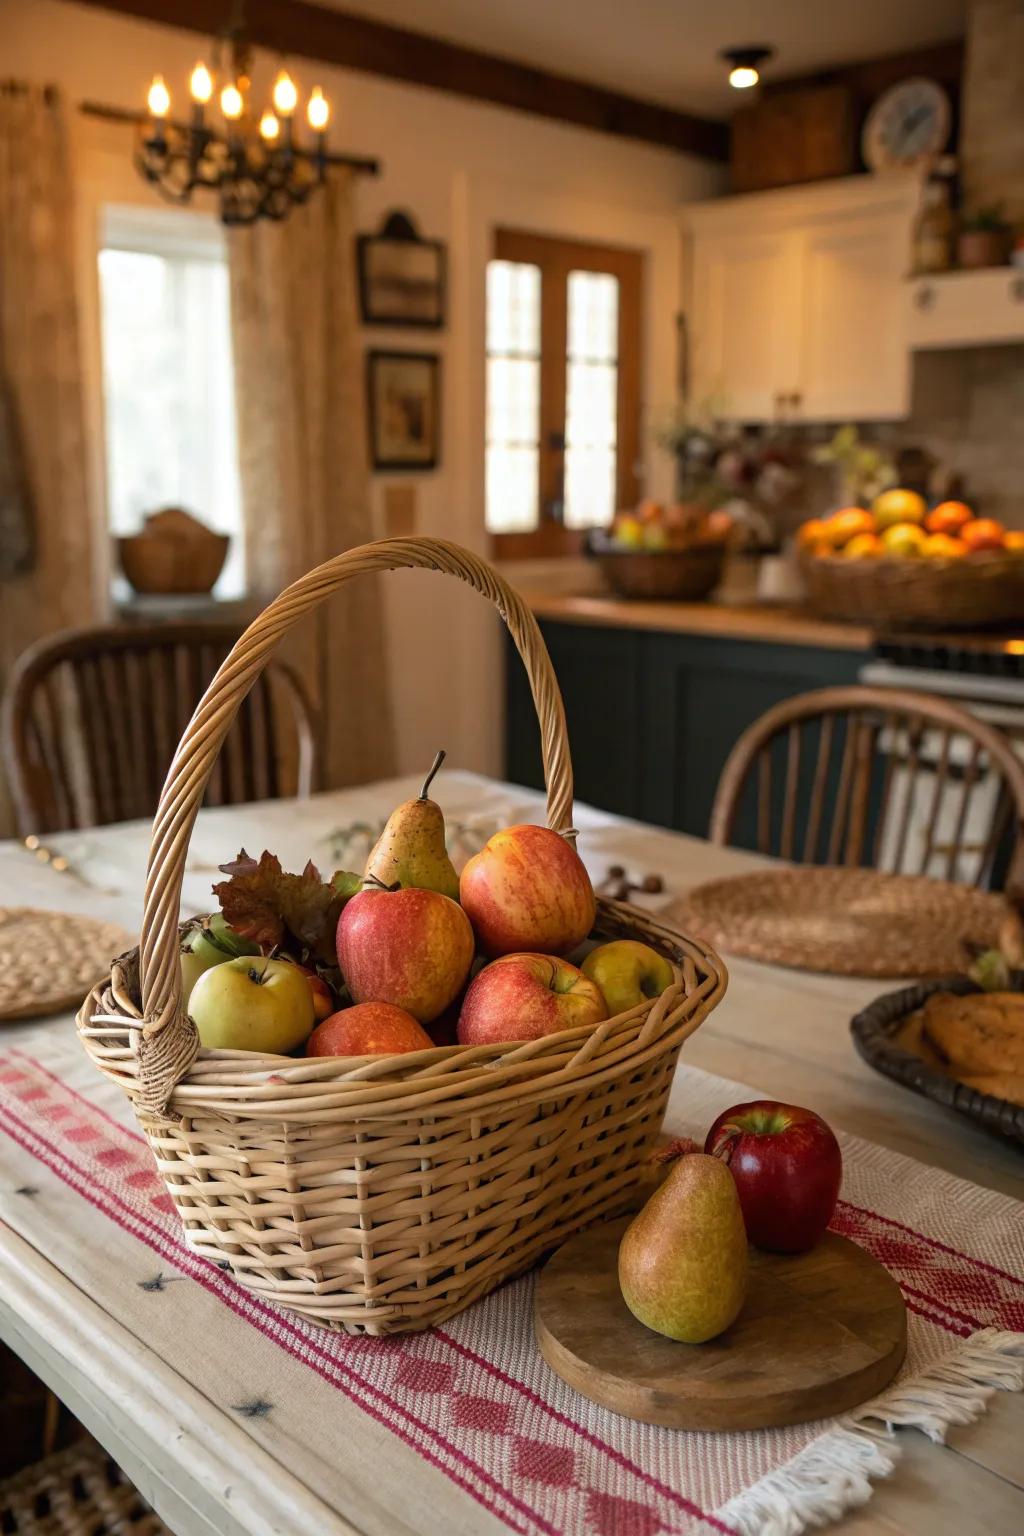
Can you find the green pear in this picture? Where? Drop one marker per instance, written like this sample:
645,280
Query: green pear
683,1259
411,849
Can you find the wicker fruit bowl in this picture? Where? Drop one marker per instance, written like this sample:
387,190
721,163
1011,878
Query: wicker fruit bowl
384,1194
682,575
971,592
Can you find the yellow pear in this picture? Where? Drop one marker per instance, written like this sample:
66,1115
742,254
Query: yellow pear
683,1259
411,849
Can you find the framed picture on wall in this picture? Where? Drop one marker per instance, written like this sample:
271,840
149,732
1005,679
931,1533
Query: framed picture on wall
401,276
404,409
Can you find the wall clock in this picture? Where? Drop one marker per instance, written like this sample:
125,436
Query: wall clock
907,124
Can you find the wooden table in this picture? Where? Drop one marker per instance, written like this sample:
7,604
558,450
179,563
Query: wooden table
784,1031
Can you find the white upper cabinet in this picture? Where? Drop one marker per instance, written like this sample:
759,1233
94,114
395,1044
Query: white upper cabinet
966,309
797,301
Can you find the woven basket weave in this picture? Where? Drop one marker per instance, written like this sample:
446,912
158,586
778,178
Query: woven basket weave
77,1492
969,593
385,1194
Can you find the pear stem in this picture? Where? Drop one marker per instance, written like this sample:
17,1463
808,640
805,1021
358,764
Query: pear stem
438,760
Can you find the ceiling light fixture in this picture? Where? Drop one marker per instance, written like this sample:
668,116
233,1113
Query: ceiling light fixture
744,64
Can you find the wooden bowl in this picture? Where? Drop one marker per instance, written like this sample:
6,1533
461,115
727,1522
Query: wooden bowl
156,565
680,575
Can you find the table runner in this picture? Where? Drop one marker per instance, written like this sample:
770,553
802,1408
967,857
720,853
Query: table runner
485,1424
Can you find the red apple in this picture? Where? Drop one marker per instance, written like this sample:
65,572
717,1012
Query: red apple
528,889
521,997
788,1168
368,1029
409,947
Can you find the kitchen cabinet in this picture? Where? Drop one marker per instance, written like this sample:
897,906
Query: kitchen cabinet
652,716
796,303
966,309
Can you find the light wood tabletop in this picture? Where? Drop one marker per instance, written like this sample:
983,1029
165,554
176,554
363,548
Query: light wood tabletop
786,1032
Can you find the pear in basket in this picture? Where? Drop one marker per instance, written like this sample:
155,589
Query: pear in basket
411,849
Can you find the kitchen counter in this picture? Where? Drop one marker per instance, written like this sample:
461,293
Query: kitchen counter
753,621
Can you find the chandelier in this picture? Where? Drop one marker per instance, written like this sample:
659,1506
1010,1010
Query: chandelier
256,166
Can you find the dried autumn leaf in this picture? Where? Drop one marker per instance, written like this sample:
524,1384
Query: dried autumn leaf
266,904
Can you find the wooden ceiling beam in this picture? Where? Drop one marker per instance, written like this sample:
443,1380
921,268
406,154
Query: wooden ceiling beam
308,31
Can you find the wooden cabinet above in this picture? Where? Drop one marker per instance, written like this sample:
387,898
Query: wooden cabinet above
796,301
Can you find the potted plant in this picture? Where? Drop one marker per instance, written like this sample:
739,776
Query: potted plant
984,239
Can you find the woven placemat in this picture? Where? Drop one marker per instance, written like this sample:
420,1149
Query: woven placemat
77,1492
843,922
49,960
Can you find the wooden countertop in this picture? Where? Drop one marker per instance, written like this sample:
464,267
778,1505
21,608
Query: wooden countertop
781,625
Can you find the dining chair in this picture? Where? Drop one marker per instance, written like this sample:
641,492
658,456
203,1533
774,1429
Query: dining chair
877,778
91,718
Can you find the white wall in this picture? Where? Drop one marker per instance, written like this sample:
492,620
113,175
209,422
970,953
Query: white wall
461,168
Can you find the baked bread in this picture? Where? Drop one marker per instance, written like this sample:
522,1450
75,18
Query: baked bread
980,1035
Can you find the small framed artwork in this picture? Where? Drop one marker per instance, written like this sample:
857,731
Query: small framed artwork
404,409
401,276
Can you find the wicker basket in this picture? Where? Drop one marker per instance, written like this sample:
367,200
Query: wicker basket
969,593
78,1492
384,1194
679,575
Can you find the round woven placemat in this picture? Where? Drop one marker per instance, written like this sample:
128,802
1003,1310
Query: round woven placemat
49,960
843,922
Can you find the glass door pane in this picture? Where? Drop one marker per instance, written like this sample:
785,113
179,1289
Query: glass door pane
513,397
591,399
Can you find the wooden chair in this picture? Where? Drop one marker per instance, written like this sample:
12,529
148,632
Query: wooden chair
878,778
91,719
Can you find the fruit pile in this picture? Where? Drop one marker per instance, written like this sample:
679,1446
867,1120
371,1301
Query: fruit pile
656,528
409,955
769,1174
899,525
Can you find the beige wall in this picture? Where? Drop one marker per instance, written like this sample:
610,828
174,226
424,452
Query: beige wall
461,168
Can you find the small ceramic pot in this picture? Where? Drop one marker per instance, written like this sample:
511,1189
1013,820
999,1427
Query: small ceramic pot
983,248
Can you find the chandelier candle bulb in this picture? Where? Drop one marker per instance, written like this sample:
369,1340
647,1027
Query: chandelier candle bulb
231,103
201,84
286,95
159,98
270,128
318,110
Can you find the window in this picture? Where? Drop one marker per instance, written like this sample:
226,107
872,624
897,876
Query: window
563,359
169,397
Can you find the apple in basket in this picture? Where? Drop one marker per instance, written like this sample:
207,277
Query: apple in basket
788,1168
411,947
368,1029
528,889
522,997
252,1004
628,973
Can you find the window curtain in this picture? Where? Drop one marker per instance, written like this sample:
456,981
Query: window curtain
303,461
47,542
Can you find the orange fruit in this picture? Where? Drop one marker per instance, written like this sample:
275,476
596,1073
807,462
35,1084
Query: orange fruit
649,511
899,506
1014,540
846,524
948,517
943,546
983,533
811,533
862,546
903,539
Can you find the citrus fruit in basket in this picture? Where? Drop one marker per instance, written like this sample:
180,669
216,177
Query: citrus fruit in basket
903,540
943,546
813,534
1014,541
898,506
948,517
846,524
983,533
863,546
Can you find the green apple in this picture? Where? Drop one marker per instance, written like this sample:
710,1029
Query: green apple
209,942
627,973
252,1004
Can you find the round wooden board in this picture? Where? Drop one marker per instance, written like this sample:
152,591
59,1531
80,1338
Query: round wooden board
819,1333
49,960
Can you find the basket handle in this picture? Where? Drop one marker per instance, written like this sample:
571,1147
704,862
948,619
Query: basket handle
167,1043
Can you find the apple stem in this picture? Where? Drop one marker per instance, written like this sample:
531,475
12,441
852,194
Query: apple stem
725,1141
438,760
374,883
259,977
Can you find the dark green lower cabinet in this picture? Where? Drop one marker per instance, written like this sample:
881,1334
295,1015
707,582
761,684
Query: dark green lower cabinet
652,717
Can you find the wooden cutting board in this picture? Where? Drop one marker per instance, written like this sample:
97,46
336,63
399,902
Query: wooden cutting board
819,1333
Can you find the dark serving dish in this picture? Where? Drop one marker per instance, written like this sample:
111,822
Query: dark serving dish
876,1028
